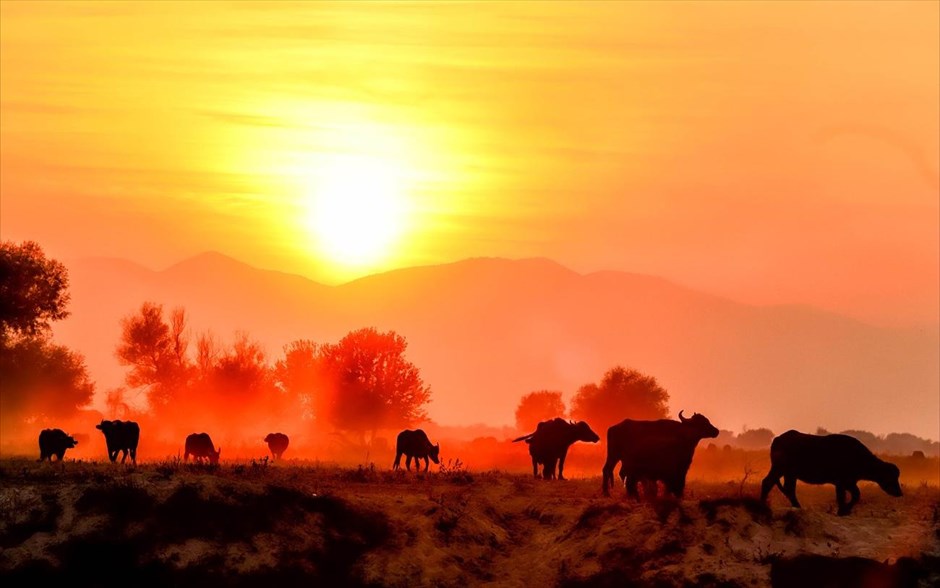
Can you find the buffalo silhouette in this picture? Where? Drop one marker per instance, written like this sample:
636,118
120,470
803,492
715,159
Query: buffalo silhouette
200,446
120,436
277,443
550,442
836,459
414,444
651,451
54,442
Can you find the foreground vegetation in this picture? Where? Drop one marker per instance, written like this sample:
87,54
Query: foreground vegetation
242,524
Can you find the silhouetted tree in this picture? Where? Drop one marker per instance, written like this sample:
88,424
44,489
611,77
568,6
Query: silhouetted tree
300,374
33,289
905,444
622,393
39,380
869,439
155,350
536,407
755,438
241,374
225,386
369,383
208,350
115,400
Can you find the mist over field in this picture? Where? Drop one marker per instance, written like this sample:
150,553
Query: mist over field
486,331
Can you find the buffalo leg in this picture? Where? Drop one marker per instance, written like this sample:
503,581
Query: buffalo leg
561,464
548,472
608,475
427,463
678,487
397,464
772,479
852,489
840,500
123,456
789,489
134,456
535,467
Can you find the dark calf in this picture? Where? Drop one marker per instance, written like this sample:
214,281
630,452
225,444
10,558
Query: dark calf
54,442
415,445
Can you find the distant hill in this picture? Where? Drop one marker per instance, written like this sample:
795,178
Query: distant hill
486,331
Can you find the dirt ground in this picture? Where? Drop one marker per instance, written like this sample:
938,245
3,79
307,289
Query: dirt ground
298,523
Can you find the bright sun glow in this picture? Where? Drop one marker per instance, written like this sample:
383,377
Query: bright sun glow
358,209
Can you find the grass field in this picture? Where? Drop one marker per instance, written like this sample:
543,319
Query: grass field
299,523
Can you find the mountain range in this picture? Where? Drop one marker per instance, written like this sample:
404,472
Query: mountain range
485,331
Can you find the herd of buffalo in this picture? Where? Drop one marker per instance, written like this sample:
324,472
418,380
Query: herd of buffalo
649,452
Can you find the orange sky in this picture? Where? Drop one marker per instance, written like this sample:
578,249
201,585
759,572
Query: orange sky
770,152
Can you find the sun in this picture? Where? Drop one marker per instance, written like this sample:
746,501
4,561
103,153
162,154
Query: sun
357,209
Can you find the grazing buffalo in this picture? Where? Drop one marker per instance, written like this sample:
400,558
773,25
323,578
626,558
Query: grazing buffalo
54,442
120,436
277,443
549,444
826,459
844,572
652,451
415,445
200,446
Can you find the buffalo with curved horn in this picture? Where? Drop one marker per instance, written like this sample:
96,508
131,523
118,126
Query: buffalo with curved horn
650,451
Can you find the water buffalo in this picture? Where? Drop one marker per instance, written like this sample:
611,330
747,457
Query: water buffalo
549,444
200,446
277,443
826,459
120,436
415,445
652,451
54,442
844,572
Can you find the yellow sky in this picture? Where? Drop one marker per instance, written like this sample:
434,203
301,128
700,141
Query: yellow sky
771,152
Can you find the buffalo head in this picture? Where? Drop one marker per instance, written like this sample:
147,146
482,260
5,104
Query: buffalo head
699,425
583,432
214,456
435,453
888,479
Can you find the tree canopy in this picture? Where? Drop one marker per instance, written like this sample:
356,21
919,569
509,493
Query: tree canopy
40,379
363,383
156,351
621,394
536,407
33,289
755,438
